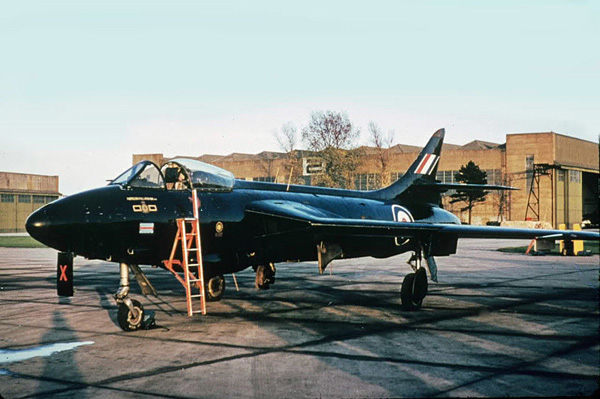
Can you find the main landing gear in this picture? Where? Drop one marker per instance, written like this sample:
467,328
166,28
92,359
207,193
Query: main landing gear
130,315
415,285
265,276
414,290
214,288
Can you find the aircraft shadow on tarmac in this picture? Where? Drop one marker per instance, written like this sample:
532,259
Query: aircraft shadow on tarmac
337,322
353,317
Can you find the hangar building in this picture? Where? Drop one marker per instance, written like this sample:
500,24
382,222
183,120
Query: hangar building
21,194
557,175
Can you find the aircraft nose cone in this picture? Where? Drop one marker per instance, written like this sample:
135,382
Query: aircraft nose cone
38,225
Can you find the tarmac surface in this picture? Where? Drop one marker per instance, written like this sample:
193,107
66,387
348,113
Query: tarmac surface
496,324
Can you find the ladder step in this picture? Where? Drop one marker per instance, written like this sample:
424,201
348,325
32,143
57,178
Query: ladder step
188,234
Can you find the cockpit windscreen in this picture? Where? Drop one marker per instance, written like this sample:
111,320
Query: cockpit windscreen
143,175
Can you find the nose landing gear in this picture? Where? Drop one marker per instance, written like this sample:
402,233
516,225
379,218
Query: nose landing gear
130,318
131,315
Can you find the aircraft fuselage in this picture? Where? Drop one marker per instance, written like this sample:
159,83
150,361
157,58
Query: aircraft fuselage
138,225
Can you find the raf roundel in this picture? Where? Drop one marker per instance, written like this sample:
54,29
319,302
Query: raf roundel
401,214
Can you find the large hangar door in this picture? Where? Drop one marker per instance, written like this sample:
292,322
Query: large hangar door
569,197
590,196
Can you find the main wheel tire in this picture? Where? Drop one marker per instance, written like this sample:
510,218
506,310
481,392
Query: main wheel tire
406,292
127,320
414,289
262,278
214,289
419,286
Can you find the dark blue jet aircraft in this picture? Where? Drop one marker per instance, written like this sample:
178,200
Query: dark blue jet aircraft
244,224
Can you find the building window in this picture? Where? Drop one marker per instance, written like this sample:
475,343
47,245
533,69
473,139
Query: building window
367,181
574,176
529,162
494,176
360,181
446,176
395,176
39,199
268,179
7,198
450,176
50,198
529,171
25,199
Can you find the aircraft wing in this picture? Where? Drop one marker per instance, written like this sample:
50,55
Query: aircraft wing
327,223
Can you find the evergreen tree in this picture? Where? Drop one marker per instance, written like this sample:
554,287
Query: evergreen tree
470,174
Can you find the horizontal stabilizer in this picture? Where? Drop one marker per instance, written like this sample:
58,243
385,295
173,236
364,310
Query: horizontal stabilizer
441,187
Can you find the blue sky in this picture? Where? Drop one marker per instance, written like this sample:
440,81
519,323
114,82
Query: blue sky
85,84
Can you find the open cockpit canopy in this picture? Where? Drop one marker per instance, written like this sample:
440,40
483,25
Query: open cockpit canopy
181,173
177,174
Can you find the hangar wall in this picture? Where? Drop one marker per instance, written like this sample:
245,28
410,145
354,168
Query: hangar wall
562,188
21,194
567,190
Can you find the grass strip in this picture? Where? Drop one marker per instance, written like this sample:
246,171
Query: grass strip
20,242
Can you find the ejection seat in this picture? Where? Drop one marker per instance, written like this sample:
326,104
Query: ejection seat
175,178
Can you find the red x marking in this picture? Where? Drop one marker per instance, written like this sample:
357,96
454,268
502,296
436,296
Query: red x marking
63,273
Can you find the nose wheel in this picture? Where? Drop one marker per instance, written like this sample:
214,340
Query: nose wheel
130,319
130,315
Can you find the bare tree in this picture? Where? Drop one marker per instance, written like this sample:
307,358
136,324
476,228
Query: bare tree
266,164
287,139
329,129
501,199
382,145
333,137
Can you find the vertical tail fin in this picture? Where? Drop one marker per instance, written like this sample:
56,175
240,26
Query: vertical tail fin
424,167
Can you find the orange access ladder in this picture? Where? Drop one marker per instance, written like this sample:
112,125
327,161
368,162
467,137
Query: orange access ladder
190,244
